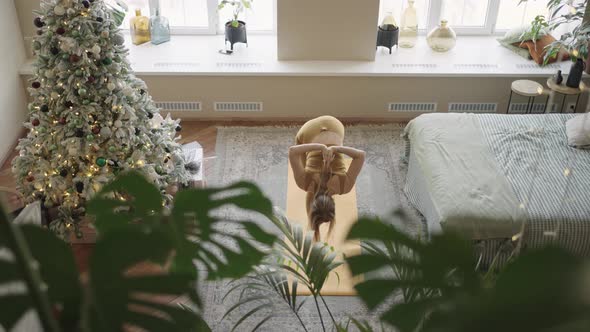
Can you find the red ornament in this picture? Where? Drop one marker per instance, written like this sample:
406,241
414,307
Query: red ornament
96,130
60,31
62,121
36,85
74,58
30,178
35,122
91,79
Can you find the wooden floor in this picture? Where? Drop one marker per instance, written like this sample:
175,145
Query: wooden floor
204,132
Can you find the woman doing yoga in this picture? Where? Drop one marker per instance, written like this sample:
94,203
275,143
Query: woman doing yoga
318,167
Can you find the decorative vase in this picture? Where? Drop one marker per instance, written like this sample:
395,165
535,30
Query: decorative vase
409,27
442,38
159,28
236,34
140,28
388,32
575,76
558,78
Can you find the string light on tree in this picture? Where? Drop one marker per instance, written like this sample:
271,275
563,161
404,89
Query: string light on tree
89,116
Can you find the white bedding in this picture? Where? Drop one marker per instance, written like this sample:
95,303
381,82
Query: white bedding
464,186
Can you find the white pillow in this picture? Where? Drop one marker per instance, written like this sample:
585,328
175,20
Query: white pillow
578,131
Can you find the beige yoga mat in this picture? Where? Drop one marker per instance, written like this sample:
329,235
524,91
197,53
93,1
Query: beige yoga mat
346,215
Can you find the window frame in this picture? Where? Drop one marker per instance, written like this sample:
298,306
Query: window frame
488,28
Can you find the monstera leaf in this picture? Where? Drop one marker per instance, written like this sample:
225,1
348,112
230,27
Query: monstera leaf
539,291
195,224
122,297
53,263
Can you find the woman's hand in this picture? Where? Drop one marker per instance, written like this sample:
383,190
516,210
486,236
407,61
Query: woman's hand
328,154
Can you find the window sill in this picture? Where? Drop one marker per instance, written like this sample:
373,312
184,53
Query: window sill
474,56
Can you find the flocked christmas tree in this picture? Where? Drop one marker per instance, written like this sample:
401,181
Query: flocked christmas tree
90,118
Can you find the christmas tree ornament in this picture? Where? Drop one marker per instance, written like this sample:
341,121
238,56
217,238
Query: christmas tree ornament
86,88
178,128
101,162
39,32
59,10
79,187
38,22
106,132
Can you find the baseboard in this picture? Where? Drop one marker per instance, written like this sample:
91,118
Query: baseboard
288,119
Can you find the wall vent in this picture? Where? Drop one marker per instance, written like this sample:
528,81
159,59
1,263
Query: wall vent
535,66
176,65
238,65
476,66
412,107
473,107
416,66
238,107
180,106
521,108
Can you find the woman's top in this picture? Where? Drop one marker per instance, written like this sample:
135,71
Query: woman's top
314,160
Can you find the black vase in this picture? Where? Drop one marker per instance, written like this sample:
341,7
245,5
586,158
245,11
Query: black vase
575,76
388,37
236,34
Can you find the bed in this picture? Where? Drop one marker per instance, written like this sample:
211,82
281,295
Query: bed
494,177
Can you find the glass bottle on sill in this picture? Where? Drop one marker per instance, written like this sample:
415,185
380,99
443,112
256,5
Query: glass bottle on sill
140,28
409,27
159,28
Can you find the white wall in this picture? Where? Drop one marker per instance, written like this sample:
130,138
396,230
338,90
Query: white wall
12,93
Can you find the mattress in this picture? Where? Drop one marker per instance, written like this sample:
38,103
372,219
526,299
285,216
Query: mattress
493,176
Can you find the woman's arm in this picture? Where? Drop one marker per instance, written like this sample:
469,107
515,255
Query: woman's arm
358,160
297,160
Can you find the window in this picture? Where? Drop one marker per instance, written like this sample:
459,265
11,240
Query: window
202,16
397,7
511,15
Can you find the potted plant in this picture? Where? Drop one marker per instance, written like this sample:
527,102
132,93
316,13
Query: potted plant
235,30
576,40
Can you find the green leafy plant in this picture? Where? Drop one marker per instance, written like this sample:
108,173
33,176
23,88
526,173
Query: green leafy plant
297,259
538,26
238,7
538,291
565,12
135,234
